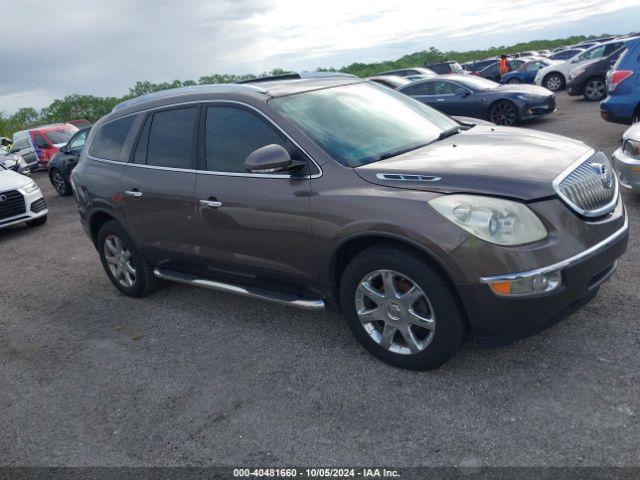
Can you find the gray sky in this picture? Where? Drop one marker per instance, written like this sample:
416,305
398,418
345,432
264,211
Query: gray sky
51,49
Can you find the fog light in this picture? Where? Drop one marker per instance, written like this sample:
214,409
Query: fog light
530,285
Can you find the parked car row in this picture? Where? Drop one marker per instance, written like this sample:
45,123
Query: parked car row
471,96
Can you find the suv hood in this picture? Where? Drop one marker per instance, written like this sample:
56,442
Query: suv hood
10,180
500,161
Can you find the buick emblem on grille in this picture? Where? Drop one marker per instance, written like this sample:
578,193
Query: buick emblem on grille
604,173
3,198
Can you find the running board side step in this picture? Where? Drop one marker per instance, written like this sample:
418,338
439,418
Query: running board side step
260,294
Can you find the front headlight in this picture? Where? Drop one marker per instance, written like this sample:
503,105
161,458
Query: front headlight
632,148
494,220
30,188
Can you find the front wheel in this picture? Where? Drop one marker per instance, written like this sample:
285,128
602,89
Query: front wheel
60,183
400,309
504,113
513,81
125,266
553,82
595,89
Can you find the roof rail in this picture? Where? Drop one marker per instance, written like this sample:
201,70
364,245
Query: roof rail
297,76
172,92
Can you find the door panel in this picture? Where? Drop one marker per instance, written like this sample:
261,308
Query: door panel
252,224
158,189
261,224
160,207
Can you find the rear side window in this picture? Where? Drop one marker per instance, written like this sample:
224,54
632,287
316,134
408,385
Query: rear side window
233,133
167,139
109,139
425,88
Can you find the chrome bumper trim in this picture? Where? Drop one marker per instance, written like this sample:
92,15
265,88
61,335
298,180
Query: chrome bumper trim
589,252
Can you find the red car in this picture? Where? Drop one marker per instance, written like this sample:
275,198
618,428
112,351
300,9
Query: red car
47,139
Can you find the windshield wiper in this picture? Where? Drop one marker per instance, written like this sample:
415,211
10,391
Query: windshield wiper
444,134
448,133
395,153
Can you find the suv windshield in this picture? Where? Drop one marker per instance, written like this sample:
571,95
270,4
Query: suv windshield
60,136
364,122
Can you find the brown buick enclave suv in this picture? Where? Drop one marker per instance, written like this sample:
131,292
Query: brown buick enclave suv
337,191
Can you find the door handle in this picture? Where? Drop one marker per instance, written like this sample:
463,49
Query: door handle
211,203
133,193
440,100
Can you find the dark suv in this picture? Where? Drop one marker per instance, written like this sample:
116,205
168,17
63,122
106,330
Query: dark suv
343,192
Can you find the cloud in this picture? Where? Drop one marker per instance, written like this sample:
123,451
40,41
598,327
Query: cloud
51,49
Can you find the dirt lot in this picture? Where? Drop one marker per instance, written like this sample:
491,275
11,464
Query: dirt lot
188,376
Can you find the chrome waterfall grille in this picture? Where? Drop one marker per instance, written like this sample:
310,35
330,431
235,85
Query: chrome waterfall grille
589,186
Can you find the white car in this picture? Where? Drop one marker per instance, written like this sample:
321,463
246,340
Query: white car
554,77
20,200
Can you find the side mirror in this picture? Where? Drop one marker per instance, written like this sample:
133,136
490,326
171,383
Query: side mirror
63,149
270,159
461,92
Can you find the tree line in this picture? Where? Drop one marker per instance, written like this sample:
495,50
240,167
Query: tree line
91,107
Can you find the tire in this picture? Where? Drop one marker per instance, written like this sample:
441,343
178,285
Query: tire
433,345
504,112
37,222
513,81
594,89
59,182
127,269
636,116
554,82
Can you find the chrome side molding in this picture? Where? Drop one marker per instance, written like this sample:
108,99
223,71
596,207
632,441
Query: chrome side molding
260,294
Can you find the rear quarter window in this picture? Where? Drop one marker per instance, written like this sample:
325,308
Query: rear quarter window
109,139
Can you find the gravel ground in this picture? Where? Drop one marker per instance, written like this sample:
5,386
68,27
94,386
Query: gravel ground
188,376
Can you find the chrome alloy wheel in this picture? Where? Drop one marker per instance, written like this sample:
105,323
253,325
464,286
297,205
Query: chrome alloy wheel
395,312
119,261
554,83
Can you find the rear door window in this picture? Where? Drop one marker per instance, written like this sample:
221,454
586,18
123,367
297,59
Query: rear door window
109,139
167,139
444,88
424,88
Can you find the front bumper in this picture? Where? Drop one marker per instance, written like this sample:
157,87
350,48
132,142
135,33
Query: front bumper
531,110
627,170
35,207
574,87
497,320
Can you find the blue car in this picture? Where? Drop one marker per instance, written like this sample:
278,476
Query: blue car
526,73
623,84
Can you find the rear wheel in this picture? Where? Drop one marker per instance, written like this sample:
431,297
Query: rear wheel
59,182
400,309
554,82
595,89
504,112
513,81
125,266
